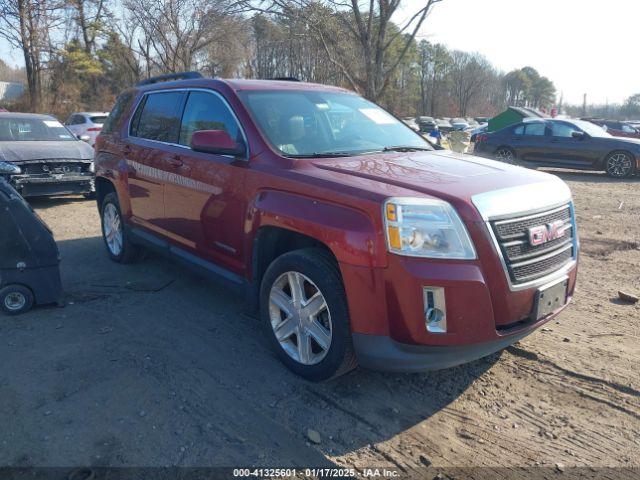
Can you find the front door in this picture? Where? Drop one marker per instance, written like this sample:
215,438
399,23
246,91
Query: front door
566,150
204,203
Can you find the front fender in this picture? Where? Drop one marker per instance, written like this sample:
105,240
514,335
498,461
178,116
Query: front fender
349,233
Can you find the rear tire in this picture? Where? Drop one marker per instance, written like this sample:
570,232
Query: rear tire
506,155
303,306
619,165
116,237
16,299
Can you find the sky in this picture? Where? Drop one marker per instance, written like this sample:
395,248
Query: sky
583,46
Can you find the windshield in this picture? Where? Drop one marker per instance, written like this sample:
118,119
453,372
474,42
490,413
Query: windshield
33,129
310,123
590,128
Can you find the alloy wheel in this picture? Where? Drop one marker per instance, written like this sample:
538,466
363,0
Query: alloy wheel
619,165
112,229
300,318
505,155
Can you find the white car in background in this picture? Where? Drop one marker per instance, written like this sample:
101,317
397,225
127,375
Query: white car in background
86,125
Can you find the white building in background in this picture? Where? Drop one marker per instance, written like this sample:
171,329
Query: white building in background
10,91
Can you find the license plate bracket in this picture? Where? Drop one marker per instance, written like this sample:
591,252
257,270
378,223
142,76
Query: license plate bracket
550,298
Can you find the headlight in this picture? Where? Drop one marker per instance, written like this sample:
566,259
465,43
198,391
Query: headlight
422,227
92,167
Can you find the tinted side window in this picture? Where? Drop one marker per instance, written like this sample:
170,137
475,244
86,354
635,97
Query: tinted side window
562,130
160,117
207,111
536,129
123,103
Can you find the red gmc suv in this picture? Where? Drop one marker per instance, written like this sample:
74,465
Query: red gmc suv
357,241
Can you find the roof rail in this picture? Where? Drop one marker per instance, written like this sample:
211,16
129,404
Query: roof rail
168,77
286,79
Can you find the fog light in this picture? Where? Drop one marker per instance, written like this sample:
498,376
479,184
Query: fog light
435,310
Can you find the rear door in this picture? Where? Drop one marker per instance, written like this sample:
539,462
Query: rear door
204,201
151,152
529,141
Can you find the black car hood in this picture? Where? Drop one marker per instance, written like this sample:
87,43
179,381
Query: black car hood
24,151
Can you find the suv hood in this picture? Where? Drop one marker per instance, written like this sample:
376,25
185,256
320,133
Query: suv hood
25,151
442,174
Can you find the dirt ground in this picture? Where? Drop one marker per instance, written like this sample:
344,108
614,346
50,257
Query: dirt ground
149,365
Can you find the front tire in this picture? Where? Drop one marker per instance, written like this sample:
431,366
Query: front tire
16,299
619,165
304,309
116,238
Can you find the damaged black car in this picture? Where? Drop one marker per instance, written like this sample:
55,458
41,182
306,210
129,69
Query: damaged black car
52,161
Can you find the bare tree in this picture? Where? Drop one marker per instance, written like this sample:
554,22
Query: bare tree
366,25
469,73
25,24
175,33
89,16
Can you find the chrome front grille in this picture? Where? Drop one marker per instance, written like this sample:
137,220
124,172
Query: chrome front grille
526,262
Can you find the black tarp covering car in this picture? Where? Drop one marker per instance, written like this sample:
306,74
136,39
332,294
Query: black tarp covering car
52,160
29,257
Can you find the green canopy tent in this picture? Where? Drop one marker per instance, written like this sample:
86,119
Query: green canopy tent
511,116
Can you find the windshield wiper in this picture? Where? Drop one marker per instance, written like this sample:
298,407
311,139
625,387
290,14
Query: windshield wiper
323,155
406,148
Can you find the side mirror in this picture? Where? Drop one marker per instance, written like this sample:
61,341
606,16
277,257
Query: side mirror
216,141
578,135
9,169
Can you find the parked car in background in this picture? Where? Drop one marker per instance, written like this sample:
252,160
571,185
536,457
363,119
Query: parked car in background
425,124
444,125
86,125
411,123
459,124
2,110
358,243
478,130
617,128
562,143
481,120
52,161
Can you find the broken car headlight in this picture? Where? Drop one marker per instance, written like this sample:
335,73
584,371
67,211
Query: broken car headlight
7,168
424,227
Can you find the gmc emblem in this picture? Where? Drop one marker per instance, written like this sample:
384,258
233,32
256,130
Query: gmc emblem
542,234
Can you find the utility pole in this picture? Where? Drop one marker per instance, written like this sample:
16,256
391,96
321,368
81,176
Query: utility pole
584,105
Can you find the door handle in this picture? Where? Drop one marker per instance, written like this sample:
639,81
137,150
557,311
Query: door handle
175,161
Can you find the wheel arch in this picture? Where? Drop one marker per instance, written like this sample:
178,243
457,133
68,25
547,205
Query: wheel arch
103,188
284,222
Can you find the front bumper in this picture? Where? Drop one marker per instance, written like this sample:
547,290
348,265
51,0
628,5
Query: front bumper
55,184
382,353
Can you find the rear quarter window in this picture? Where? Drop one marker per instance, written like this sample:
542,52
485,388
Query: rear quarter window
122,105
